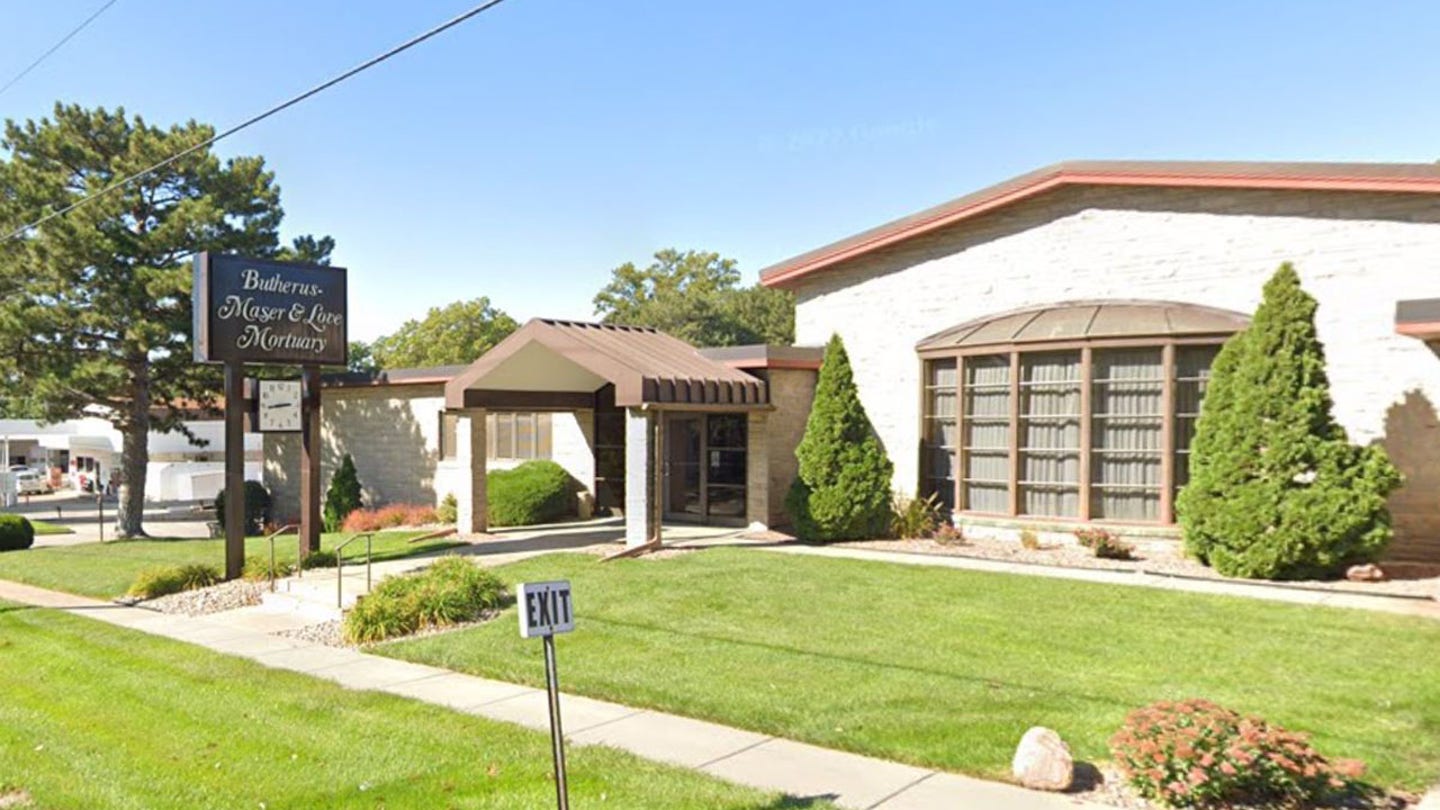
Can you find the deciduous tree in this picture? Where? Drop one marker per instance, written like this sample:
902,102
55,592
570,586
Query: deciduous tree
451,335
95,304
696,296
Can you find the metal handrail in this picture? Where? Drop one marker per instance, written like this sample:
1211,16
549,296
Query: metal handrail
340,564
271,540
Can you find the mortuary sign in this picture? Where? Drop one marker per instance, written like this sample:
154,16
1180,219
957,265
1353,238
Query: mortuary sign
263,311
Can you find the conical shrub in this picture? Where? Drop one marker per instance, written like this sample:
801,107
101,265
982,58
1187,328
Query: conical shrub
842,490
343,496
1276,490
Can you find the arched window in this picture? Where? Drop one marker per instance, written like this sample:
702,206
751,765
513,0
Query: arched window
1079,411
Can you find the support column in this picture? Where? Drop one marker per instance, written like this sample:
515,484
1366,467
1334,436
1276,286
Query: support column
234,470
471,504
642,494
309,460
757,471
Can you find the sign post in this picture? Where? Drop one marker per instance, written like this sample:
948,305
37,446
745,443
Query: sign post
546,609
258,311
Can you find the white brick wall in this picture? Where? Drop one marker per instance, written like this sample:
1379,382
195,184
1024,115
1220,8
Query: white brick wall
1357,253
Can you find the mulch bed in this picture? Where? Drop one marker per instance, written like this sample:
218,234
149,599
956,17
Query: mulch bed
1154,557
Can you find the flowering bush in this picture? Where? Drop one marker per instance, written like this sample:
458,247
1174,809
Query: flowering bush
388,517
1105,545
1197,754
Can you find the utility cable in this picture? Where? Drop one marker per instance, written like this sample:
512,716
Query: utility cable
57,46
366,65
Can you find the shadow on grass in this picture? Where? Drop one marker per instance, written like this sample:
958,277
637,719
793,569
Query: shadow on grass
787,802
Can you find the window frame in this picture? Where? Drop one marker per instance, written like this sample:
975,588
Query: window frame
1168,346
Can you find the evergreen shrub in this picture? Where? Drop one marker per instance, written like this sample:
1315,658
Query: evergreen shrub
257,507
343,495
16,533
535,492
449,509
842,490
1276,490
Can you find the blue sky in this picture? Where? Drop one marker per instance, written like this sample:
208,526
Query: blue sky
526,153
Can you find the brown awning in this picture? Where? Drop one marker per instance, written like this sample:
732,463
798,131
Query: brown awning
1088,320
562,364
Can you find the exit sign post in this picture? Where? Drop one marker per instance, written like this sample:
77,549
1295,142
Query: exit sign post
546,609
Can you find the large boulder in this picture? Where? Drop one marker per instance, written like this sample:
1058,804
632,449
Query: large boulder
1042,761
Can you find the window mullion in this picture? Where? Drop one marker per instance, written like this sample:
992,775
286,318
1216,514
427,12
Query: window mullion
1086,412
1014,433
1167,438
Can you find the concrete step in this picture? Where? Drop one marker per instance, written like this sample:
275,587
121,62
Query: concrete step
307,610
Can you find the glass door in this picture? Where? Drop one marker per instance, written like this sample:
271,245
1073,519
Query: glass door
684,449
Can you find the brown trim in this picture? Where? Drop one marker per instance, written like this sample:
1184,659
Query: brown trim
1087,412
1410,178
1071,345
1167,438
807,365
1418,330
529,400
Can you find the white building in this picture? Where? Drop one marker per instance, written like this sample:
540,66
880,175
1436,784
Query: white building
81,452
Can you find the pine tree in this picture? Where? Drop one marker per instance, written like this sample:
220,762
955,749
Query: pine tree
842,491
343,495
1277,491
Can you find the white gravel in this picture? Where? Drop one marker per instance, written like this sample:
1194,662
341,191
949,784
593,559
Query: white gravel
214,599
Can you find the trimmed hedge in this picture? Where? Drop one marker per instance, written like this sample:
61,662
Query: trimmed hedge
452,591
534,492
16,533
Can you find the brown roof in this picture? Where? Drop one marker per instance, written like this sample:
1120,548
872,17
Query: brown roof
765,356
645,365
1077,320
1374,177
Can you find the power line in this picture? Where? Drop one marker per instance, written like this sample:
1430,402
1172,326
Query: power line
57,46
366,65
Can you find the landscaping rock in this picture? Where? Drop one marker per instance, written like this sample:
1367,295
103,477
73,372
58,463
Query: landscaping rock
1043,761
1365,573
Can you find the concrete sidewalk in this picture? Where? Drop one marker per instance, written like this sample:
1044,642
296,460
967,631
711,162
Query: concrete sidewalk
744,757
1424,608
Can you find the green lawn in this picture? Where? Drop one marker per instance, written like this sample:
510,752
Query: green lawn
41,527
948,668
105,570
97,717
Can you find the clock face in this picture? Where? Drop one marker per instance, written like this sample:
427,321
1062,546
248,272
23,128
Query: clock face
279,405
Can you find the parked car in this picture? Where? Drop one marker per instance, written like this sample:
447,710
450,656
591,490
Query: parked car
32,482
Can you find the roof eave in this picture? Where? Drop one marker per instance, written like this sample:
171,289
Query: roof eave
1044,180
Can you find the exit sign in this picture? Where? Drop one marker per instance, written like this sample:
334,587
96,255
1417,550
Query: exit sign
545,608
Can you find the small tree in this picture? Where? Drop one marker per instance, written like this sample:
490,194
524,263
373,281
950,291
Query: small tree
343,496
1277,491
842,491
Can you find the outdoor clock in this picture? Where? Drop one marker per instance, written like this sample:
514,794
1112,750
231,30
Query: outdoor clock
279,406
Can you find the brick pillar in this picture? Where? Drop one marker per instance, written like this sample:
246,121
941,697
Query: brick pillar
470,501
757,471
641,497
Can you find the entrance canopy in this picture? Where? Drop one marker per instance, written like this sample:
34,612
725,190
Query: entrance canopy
560,365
